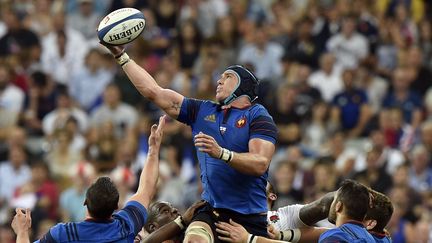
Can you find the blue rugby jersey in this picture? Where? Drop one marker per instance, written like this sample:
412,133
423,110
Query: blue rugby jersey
122,228
381,238
223,186
351,231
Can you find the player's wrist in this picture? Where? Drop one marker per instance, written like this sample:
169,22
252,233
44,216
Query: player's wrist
226,155
180,222
252,238
122,58
291,235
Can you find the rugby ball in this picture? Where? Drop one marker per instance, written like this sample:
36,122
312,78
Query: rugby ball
121,26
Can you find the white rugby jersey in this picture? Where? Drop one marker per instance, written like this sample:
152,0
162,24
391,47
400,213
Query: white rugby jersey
288,217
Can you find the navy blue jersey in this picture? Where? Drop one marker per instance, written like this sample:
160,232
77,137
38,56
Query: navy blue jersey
223,186
122,228
348,232
381,238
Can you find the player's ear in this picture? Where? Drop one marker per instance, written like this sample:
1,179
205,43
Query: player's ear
272,196
370,224
339,207
153,227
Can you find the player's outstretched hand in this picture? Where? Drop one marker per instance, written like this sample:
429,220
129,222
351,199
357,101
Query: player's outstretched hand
232,232
21,223
156,133
115,50
207,144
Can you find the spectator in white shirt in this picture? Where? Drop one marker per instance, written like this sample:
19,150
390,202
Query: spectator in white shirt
85,20
11,97
63,51
265,56
88,83
327,79
13,174
120,114
348,46
58,118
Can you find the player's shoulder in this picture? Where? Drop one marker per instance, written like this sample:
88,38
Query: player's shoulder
257,110
62,232
335,233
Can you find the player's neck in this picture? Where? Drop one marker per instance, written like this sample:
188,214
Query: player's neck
240,103
343,219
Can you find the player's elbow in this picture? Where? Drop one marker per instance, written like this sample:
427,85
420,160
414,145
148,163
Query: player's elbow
260,168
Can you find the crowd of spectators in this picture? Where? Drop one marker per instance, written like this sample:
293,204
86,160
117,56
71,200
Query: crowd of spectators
348,83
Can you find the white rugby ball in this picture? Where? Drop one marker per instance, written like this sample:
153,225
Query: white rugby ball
121,26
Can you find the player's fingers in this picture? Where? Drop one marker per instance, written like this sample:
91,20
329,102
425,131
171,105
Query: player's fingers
153,128
204,150
205,140
19,211
234,223
161,125
226,239
223,232
224,226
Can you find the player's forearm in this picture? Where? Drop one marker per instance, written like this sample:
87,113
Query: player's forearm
150,173
249,163
142,80
315,211
311,234
23,237
166,232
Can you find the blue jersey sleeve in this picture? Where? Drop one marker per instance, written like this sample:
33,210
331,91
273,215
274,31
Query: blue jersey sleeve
333,239
262,126
189,110
48,237
135,214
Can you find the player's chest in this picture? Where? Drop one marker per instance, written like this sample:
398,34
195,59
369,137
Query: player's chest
229,128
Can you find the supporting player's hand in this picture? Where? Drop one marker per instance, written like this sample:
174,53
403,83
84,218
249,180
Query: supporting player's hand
208,144
21,223
273,233
156,133
187,216
232,232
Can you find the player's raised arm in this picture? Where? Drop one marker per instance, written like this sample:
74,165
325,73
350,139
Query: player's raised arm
150,173
166,99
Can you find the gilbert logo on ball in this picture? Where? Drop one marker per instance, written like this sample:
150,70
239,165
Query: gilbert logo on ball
121,26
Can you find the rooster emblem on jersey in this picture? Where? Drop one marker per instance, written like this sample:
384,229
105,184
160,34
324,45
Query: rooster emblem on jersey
274,218
241,122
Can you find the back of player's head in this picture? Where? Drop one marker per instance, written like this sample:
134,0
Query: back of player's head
381,211
355,199
248,84
102,198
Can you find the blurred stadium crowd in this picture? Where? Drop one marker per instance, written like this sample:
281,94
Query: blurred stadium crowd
349,84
